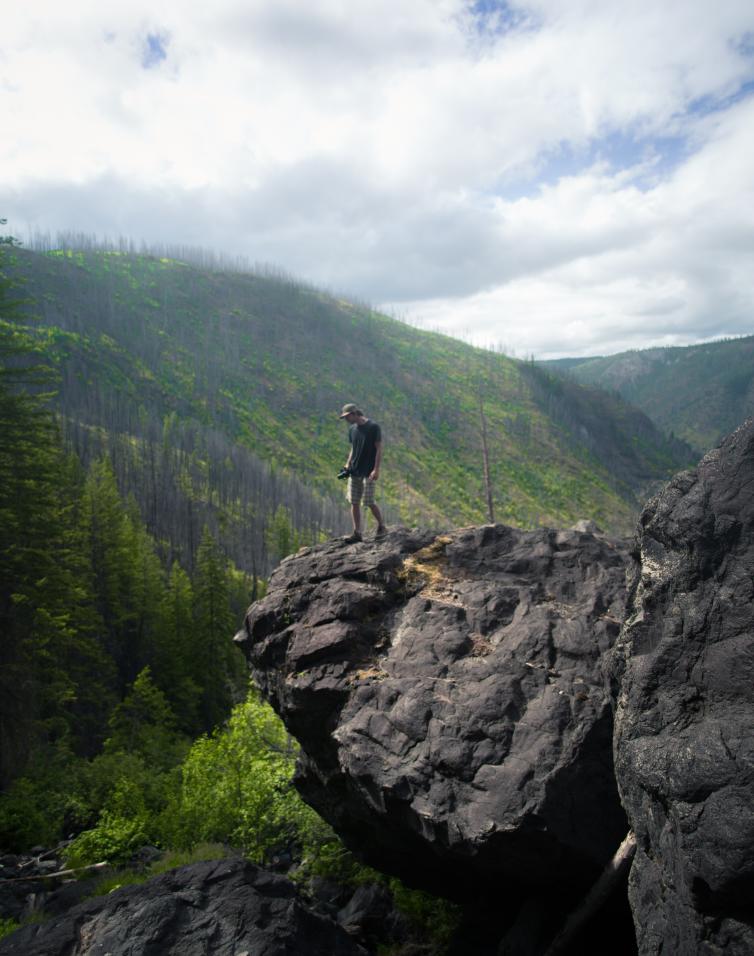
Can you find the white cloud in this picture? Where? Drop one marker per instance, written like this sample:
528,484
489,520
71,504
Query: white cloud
597,264
390,150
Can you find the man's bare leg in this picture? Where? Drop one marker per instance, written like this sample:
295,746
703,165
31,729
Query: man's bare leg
378,516
356,518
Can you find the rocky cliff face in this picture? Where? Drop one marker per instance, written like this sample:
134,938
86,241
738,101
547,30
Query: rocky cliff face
684,736
449,696
449,693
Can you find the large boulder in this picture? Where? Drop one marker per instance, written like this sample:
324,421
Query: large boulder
227,908
449,697
684,737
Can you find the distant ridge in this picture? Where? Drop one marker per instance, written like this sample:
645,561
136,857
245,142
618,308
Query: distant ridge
698,392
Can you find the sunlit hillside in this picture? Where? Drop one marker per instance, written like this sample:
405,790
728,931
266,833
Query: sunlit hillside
245,373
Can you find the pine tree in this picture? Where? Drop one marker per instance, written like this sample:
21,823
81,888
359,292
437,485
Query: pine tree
144,724
217,664
177,651
280,536
146,593
111,547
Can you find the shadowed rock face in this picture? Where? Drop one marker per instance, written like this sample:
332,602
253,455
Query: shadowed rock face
226,908
449,697
684,738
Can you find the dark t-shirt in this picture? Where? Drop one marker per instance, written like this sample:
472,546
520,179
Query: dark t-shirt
363,440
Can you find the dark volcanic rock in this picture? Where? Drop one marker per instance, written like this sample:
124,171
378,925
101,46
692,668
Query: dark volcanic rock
684,738
449,697
227,908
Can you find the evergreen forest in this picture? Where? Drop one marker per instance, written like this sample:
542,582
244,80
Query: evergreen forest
126,716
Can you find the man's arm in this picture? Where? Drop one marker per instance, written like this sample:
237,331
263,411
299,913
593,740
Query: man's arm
377,459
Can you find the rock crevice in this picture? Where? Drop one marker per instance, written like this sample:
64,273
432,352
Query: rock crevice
684,731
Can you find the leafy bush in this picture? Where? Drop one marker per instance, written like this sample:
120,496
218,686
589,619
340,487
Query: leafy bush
236,787
115,839
28,815
431,917
49,801
8,926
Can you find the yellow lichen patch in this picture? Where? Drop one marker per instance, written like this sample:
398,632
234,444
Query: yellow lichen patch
426,570
368,673
480,646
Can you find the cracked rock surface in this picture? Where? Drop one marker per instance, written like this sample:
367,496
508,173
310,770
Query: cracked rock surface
227,908
449,696
684,737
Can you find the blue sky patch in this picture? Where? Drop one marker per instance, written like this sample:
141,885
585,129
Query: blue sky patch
495,18
623,150
705,105
154,50
653,157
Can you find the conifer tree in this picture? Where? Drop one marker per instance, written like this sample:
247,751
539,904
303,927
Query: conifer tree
280,536
144,724
177,652
146,593
217,664
111,543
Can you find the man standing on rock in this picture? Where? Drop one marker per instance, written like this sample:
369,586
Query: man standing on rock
363,465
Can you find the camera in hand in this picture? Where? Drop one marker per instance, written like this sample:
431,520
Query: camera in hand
344,473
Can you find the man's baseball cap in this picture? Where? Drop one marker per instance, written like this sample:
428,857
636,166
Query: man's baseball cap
349,409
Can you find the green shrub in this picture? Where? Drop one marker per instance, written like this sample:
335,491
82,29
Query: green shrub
28,815
8,926
40,807
431,917
236,787
323,854
114,839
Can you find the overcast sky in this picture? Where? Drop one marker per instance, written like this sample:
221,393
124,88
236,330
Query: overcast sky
561,177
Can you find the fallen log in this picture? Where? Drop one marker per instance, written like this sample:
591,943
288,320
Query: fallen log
49,876
595,898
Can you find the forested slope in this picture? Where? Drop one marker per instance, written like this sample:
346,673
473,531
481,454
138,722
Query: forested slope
111,660
216,394
700,392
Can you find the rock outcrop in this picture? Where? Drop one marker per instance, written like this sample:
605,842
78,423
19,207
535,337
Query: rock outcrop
449,697
227,908
684,737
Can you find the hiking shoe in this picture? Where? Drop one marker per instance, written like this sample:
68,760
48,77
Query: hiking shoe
353,538
380,532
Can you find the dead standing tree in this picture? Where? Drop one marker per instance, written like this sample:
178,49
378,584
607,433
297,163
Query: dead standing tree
486,461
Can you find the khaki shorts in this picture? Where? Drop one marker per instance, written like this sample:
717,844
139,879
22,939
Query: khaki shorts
360,491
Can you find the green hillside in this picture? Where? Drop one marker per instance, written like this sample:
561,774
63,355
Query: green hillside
243,374
700,393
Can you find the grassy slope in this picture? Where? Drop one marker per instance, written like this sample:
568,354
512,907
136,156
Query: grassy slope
700,392
269,363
